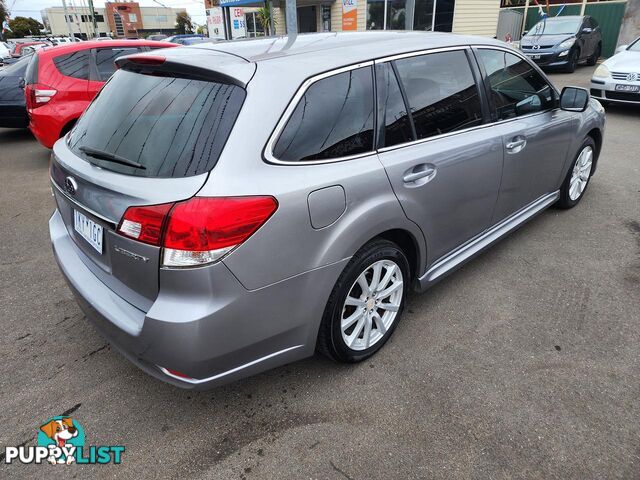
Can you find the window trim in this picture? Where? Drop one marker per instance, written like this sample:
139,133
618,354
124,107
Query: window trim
284,119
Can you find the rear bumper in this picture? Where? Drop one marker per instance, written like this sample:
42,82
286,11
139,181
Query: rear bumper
204,323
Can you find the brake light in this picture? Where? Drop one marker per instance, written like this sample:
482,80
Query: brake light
146,59
37,94
200,230
145,223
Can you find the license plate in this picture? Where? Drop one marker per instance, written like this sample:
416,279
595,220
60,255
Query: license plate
628,88
89,230
535,57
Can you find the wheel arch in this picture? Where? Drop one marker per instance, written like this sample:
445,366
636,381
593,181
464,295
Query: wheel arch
596,135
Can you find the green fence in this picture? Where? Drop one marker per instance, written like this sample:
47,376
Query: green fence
607,14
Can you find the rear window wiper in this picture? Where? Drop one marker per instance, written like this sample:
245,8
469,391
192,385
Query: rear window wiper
110,157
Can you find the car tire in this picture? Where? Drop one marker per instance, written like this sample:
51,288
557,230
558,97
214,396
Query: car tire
572,61
578,176
358,322
593,59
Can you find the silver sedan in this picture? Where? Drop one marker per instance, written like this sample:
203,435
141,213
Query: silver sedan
617,80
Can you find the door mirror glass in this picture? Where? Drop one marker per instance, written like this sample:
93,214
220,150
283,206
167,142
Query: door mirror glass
574,99
621,48
587,30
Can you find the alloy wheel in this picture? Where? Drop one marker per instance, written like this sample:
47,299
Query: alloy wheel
581,172
372,305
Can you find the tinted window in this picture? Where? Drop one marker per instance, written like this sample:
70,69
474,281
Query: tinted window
173,126
74,64
441,91
31,74
393,119
516,87
333,119
105,58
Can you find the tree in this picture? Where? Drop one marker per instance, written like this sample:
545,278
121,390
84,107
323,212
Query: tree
23,26
183,23
264,17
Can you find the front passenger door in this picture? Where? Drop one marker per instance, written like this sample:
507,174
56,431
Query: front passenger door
535,132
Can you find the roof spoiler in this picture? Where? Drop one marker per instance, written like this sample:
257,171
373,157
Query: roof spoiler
161,66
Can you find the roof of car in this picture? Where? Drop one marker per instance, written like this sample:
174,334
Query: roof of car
347,47
77,46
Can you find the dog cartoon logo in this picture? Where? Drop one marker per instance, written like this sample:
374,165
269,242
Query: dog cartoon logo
62,435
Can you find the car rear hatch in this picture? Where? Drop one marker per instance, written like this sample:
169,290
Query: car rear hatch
150,137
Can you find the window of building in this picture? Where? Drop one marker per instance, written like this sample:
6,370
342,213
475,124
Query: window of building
516,87
429,15
333,119
74,64
253,25
133,18
441,92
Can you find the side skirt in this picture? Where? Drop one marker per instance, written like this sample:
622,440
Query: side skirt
471,249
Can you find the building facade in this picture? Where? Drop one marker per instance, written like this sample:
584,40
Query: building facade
116,19
478,17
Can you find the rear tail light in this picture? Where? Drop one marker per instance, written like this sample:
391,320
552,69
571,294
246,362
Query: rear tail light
197,231
37,95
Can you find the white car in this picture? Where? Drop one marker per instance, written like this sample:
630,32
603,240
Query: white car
617,80
5,50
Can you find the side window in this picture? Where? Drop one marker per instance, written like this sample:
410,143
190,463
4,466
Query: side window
516,87
333,119
393,119
74,64
441,92
105,58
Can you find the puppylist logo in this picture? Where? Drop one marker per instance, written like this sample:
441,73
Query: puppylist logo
61,440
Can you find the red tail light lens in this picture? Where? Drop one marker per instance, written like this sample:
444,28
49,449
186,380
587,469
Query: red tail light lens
145,223
200,230
37,95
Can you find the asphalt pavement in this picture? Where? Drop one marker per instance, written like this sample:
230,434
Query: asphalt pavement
524,364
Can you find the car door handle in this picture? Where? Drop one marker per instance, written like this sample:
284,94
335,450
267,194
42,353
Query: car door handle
423,171
516,144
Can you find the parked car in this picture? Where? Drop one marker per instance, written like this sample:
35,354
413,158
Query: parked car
563,42
27,48
13,110
617,79
157,37
180,39
212,227
5,51
62,81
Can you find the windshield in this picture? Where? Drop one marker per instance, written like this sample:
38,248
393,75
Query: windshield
17,68
155,126
635,46
556,26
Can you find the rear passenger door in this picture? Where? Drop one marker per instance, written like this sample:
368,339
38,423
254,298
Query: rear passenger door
443,163
535,132
104,65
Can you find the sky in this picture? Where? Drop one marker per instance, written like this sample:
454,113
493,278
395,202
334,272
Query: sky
32,8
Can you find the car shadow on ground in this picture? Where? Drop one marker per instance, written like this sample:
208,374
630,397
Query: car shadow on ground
14,135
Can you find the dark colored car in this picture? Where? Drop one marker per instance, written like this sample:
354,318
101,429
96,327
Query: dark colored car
181,39
13,110
563,42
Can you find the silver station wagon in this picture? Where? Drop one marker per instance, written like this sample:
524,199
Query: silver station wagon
227,208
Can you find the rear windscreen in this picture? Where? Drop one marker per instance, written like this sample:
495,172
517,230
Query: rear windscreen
172,127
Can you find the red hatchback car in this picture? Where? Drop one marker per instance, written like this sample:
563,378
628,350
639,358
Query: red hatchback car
60,82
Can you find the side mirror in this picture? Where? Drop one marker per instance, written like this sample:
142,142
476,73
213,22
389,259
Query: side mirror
529,105
587,30
574,99
525,32
621,48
